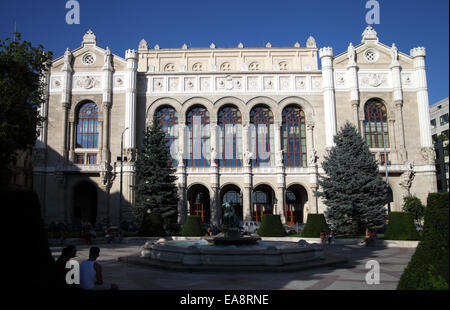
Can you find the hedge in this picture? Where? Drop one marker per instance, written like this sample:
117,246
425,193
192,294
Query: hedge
152,226
429,266
271,226
314,225
401,227
193,227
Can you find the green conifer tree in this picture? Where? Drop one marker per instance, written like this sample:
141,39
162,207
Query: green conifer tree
155,188
352,188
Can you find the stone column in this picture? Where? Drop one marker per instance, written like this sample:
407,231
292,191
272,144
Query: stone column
66,99
247,173
419,54
398,101
352,74
326,57
400,132
279,163
72,139
106,106
215,206
181,173
130,100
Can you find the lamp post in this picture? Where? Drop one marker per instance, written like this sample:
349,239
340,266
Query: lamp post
121,176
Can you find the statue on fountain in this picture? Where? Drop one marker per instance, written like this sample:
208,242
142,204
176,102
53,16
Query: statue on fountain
230,219
231,234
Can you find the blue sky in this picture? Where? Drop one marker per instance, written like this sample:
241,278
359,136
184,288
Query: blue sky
170,23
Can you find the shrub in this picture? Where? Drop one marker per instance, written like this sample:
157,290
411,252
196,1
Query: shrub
271,226
401,227
152,226
428,268
413,205
437,200
314,225
192,227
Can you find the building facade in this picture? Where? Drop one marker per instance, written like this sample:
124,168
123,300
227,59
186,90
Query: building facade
439,133
247,125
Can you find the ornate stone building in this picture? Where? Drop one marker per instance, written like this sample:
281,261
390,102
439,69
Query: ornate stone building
248,125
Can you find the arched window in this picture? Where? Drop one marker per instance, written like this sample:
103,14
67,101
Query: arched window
168,119
375,124
230,137
198,137
294,137
261,136
87,126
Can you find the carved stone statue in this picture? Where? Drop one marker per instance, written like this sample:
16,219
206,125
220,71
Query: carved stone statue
280,158
313,158
108,55
248,157
394,53
213,157
429,155
351,54
67,59
408,177
180,158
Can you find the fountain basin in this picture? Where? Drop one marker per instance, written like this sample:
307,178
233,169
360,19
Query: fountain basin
202,253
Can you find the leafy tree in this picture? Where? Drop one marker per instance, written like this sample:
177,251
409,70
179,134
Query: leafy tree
413,205
155,187
352,188
21,95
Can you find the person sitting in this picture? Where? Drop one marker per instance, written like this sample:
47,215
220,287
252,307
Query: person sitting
209,232
368,239
330,236
374,236
108,236
67,254
91,277
323,236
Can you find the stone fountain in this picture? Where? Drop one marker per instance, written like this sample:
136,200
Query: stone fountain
230,251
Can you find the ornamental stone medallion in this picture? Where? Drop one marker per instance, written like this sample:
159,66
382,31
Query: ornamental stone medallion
87,82
374,79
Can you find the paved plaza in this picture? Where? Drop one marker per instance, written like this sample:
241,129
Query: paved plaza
350,276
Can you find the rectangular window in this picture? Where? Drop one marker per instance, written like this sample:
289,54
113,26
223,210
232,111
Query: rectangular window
433,123
92,159
79,159
444,119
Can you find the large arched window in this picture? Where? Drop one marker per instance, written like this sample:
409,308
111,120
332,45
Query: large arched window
168,119
261,136
375,124
198,133
87,126
230,137
294,137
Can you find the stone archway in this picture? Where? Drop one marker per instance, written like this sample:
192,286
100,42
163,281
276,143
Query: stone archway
296,198
263,201
198,198
85,202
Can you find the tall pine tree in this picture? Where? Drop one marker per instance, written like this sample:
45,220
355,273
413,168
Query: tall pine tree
352,188
155,188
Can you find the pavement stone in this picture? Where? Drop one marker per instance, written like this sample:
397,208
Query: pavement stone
349,277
